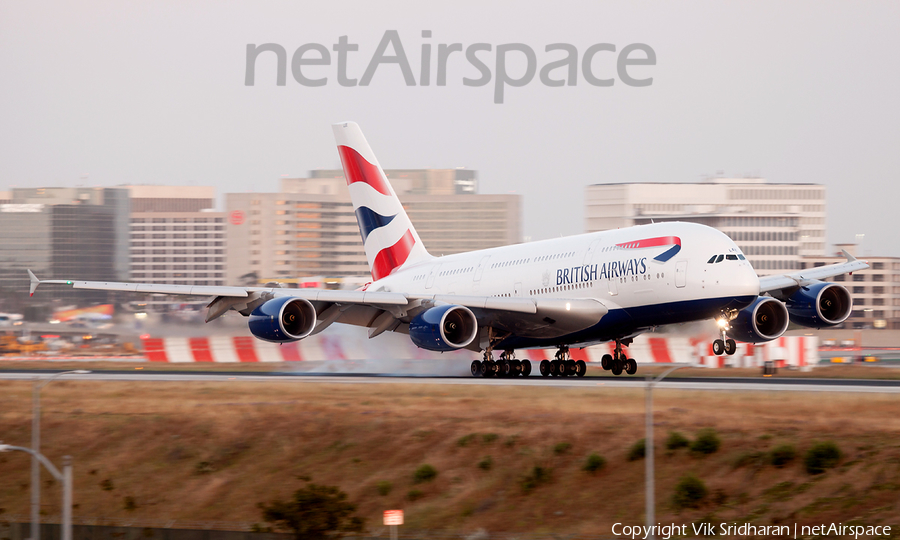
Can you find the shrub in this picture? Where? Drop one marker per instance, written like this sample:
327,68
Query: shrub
689,492
821,456
594,463
486,463
107,485
676,440
129,503
637,450
488,438
414,495
782,455
538,475
314,511
707,442
561,448
384,487
425,473
465,440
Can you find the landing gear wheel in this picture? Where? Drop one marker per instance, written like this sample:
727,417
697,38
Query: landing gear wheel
616,368
545,368
526,368
718,347
562,367
730,347
580,368
570,367
630,366
554,368
606,362
476,368
505,368
516,368
486,369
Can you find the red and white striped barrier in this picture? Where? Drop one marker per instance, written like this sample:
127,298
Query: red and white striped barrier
794,351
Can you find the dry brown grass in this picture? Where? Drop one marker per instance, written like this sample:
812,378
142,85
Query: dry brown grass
212,451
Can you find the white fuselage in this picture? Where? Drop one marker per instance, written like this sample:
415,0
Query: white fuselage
636,271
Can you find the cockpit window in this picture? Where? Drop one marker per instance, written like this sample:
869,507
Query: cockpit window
741,257
720,258
731,257
712,259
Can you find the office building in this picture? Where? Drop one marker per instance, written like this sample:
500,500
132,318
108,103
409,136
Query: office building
775,225
176,236
310,229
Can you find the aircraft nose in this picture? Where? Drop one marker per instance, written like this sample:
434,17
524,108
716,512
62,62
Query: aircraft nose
746,282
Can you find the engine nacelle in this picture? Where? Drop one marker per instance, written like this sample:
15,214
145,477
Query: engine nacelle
763,320
283,319
444,328
820,305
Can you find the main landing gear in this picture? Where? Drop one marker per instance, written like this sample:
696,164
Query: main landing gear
725,345
507,366
617,362
563,365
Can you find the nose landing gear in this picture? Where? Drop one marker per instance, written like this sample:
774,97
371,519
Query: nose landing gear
725,345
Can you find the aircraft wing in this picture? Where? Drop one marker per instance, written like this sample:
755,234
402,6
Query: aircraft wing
377,310
804,277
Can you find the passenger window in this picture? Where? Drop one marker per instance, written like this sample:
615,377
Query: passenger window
720,258
712,259
731,257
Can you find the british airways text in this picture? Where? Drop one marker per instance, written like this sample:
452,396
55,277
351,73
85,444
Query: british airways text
590,272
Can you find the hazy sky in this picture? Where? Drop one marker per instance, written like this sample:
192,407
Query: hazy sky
106,93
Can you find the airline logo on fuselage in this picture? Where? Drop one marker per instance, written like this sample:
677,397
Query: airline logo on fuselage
623,268
608,270
673,241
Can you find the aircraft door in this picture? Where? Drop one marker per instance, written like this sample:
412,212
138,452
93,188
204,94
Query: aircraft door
434,272
613,288
482,264
517,289
681,274
590,252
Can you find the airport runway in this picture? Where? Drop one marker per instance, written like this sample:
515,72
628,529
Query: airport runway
696,383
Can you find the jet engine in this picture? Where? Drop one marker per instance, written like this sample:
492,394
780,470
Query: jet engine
283,319
820,305
763,320
443,328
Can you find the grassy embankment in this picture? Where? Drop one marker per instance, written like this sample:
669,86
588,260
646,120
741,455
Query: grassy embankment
212,451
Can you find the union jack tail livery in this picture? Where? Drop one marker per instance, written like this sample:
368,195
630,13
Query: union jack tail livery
387,233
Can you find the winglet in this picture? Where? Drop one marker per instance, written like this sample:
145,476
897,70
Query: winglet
34,282
850,258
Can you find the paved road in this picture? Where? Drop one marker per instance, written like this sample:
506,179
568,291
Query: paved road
696,383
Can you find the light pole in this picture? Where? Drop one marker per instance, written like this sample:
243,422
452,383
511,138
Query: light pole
65,477
649,472
39,383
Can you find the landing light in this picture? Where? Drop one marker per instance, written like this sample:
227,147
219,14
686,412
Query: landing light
568,306
722,323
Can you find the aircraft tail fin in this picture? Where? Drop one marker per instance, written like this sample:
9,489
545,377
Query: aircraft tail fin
390,239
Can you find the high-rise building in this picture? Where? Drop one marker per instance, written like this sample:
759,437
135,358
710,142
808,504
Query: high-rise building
176,236
310,228
775,225
64,233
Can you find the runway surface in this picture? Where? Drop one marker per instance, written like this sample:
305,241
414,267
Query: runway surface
769,384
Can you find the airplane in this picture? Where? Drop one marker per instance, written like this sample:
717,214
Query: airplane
607,286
